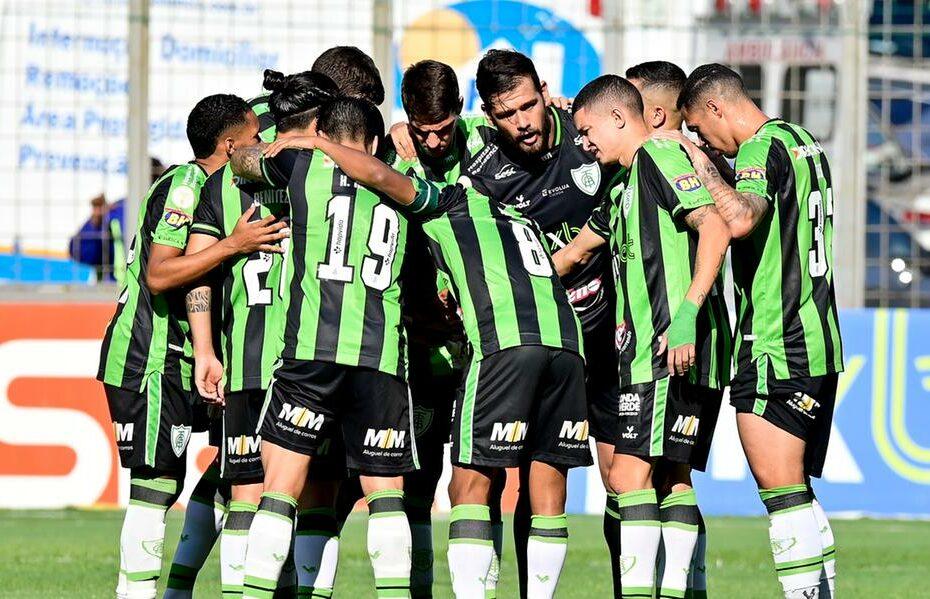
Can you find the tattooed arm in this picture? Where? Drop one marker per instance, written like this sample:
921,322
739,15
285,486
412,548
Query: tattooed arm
208,370
713,240
247,162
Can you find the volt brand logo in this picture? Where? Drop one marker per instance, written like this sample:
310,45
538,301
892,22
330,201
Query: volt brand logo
123,432
243,444
629,433
574,430
686,425
301,417
385,438
511,432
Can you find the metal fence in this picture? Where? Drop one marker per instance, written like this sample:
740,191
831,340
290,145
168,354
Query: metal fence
853,72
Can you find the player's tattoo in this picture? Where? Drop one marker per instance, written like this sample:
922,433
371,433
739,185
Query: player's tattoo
695,218
247,162
733,206
198,300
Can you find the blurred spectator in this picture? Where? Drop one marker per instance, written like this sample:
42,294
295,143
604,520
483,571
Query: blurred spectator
100,242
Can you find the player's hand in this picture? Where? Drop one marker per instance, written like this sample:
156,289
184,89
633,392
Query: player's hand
679,339
691,148
302,142
561,102
208,376
403,141
258,236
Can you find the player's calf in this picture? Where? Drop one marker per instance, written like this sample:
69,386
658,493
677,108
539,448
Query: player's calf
388,535
471,545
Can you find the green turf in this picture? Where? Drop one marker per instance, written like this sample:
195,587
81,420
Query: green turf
73,554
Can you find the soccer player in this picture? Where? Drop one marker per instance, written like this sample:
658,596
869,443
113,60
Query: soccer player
523,395
787,342
659,82
668,244
250,297
354,73
344,350
144,362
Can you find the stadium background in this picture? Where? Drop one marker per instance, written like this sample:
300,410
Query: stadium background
74,110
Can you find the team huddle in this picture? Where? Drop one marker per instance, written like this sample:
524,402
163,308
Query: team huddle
334,304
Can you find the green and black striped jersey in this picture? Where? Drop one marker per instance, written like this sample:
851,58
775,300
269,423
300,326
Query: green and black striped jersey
267,131
251,294
149,333
499,269
653,252
342,295
783,271
472,132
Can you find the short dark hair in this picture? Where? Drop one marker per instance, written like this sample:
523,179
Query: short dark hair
500,71
354,119
295,99
707,77
211,118
609,88
429,91
659,73
354,72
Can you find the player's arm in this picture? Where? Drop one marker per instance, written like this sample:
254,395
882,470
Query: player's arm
208,370
578,252
168,269
741,210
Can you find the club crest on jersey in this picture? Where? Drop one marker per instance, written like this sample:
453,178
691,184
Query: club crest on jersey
587,177
176,219
422,419
689,182
180,435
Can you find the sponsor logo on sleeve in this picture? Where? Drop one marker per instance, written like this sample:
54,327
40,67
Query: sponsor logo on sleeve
182,197
750,173
689,182
176,219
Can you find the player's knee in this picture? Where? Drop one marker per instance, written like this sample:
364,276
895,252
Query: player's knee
469,486
154,488
629,475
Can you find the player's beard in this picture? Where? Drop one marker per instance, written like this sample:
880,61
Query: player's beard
539,146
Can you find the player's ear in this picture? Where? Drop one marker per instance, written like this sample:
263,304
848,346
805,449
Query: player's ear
544,88
619,118
373,149
229,146
658,117
713,107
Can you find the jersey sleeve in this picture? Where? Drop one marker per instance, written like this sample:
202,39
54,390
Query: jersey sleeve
599,221
433,199
180,202
755,169
277,169
267,131
209,212
672,180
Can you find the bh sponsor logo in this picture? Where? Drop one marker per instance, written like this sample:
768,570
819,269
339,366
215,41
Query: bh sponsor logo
388,438
301,417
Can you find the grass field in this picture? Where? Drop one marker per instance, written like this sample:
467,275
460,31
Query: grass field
70,553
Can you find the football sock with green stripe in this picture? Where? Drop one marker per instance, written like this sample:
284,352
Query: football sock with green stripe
612,536
269,544
697,576
142,540
640,533
497,537
233,545
316,552
545,554
828,574
471,549
203,521
678,513
389,542
421,535
795,539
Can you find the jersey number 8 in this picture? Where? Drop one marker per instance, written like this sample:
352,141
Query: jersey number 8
535,259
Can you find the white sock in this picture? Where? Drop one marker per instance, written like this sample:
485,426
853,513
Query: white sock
121,581
269,544
795,539
316,531
640,534
545,554
233,546
494,573
697,576
142,539
389,542
200,531
679,515
471,550
828,574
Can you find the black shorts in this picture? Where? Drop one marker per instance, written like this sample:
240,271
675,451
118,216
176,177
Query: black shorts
311,402
602,385
240,448
802,407
668,418
433,395
522,403
154,426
